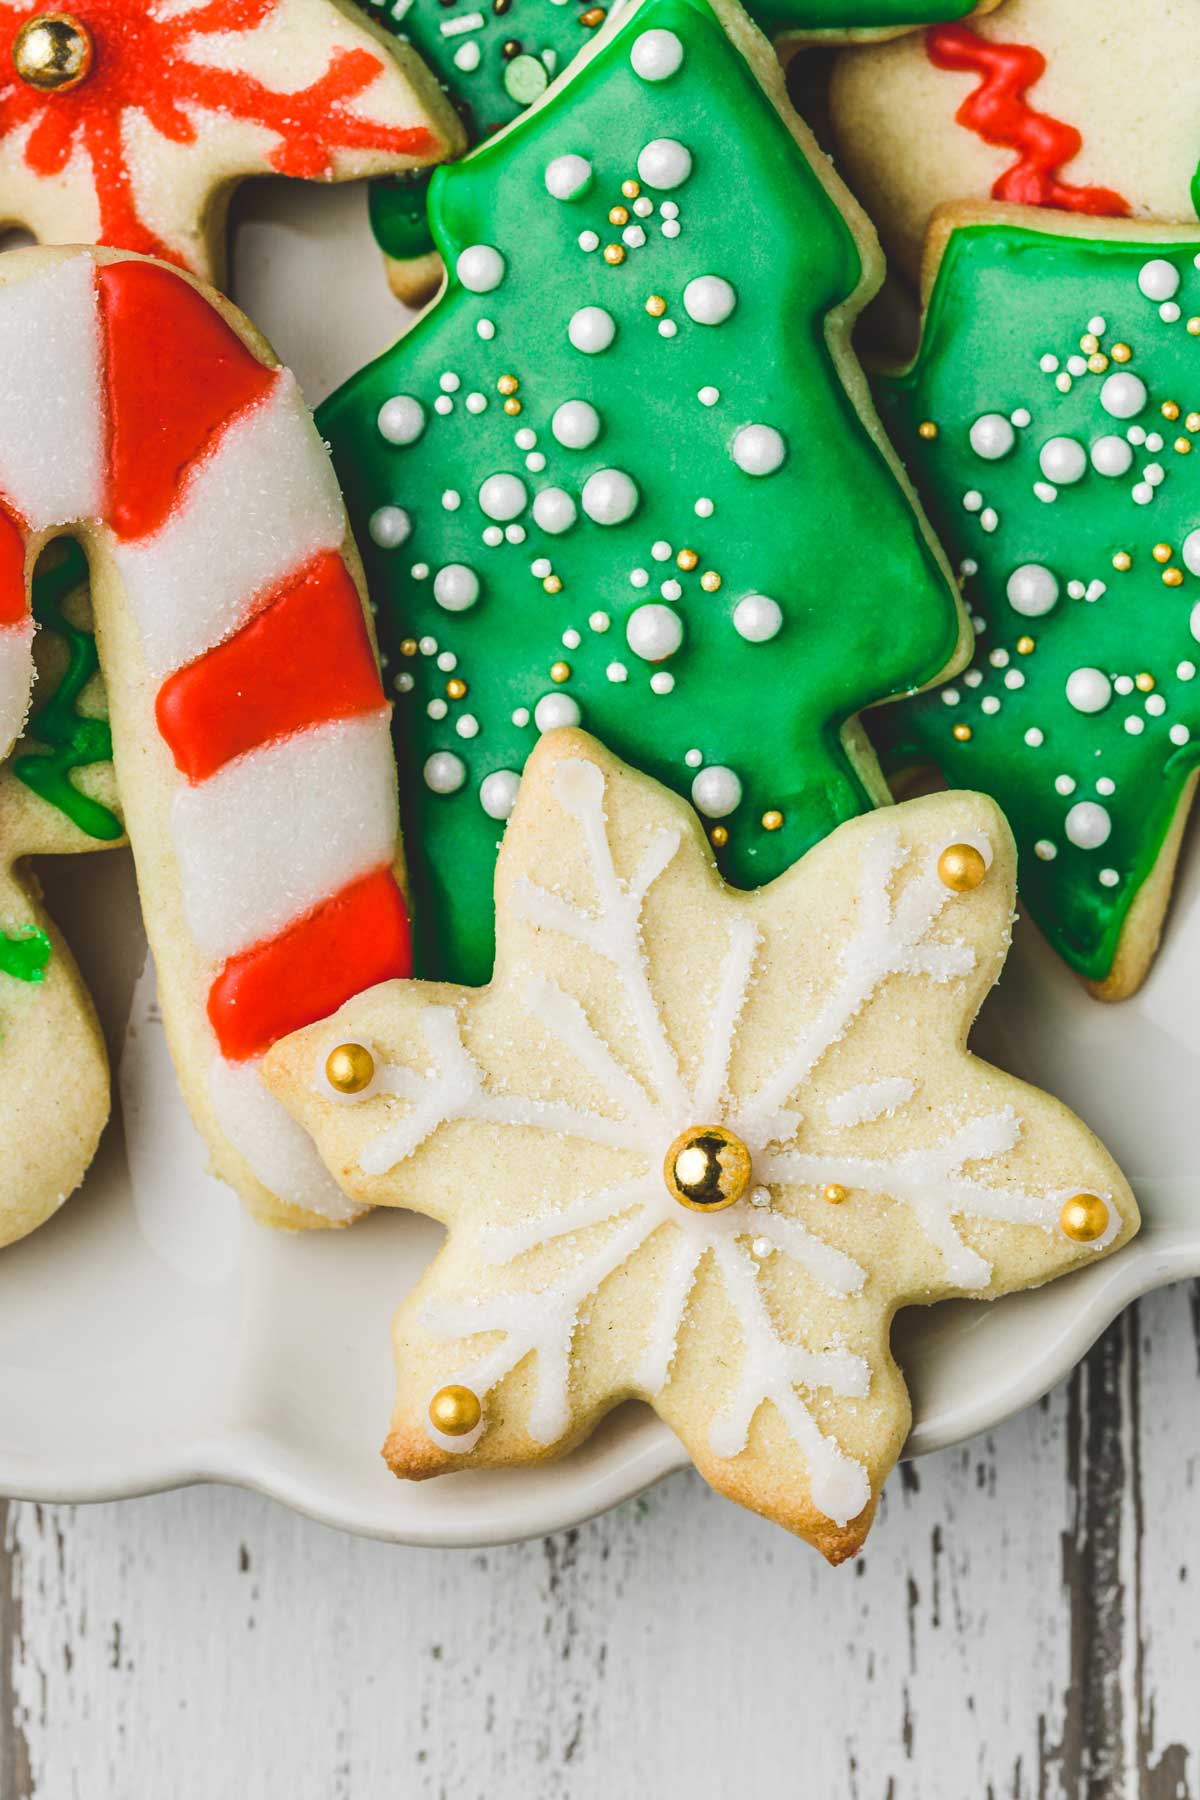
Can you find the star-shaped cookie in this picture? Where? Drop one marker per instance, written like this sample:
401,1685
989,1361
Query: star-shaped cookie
128,123
697,1145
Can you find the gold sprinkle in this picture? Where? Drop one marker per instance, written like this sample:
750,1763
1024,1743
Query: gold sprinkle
1193,421
512,407
719,837
1170,409
614,255
409,647
507,384
1121,353
1024,646
1089,343
618,215
772,819
687,559
456,688
631,189
656,306
835,1193
1193,326
553,584
1122,561
1161,553
710,581
1098,362
1173,577
962,733
927,430
1144,683
560,671
592,17
1183,446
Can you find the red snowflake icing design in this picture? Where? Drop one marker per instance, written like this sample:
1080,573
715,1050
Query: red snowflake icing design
141,63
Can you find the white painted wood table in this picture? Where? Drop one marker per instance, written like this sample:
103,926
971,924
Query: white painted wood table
1023,1623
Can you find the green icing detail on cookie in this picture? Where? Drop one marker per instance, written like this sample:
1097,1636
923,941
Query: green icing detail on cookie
525,498
72,741
24,955
470,48
1081,712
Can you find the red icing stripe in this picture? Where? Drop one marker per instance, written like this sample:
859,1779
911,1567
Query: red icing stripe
358,938
304,659
14,602
1000,114
177,374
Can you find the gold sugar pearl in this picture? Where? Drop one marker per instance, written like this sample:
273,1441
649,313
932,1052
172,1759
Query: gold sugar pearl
707,1168
1193,326
719,836
1084,1218
1024,646
835,1193
1161,553
1121,353
927,430
595,15
512,407
1097,362
560,671
618,215
1144,683
614,255
409,647
772,819
1193,421
656,306
1089,343
1183,446
687,559
455,1411
1122,561
961,867
710,581
1173,577
1170,409
350,1068
456,688
52,52
631,189
962,734
553,584
507,384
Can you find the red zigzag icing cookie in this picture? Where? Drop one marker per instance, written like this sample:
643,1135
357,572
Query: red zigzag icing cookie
251,732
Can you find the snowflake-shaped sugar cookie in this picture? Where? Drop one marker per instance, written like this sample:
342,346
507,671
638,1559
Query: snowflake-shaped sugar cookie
697,1145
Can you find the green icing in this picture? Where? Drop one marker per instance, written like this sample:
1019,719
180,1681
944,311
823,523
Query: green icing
24,955
1004,300
548,34
830,536
72,741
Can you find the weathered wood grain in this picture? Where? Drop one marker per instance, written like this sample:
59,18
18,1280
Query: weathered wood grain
1021,1625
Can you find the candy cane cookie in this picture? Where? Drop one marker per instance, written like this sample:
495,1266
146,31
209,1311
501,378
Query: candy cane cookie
142,415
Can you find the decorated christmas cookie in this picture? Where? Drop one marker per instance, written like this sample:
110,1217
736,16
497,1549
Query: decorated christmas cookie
498,59
1076,104
698,1146
625,472
250,732
129,123
1052,423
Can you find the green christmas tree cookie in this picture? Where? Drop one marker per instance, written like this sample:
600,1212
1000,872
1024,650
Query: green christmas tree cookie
621,473
1052,424
497,57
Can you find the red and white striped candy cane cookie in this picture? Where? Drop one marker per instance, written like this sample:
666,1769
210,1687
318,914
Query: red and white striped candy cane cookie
141,414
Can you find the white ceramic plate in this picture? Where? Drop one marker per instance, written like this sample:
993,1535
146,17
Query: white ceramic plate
150,1335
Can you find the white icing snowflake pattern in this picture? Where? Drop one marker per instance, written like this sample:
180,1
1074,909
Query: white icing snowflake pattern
893,934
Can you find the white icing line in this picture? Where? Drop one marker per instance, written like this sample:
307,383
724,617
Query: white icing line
870,1100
